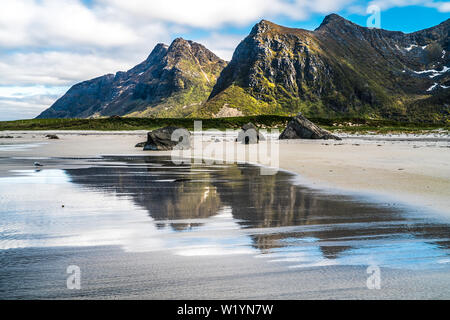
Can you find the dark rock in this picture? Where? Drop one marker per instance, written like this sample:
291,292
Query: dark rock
52,136
250,134
168,138
140,144
301,128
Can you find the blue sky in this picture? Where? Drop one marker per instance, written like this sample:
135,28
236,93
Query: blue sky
46,46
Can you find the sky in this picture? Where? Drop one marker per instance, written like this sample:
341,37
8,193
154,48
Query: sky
46,46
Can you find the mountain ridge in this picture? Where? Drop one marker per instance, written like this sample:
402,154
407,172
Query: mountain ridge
173,80
340,69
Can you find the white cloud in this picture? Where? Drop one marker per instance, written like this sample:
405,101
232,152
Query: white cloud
440,6
63,22
56,68
217,13
324,6
31,82
15,92
26,102
199,13
60,42
387,4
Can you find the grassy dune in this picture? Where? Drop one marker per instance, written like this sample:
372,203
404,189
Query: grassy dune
263,121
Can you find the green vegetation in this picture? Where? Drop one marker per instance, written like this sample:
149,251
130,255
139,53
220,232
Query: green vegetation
341,70
263,121
235,97
126,123
361,125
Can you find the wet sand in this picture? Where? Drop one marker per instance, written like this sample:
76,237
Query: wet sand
141,230
414,170
140,227
162,276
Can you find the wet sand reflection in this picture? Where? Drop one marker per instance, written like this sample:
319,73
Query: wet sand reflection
276,213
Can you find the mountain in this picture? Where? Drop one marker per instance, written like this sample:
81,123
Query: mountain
173,81
339,69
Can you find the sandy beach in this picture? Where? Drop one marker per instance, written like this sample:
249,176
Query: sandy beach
407,169
142,228
235,158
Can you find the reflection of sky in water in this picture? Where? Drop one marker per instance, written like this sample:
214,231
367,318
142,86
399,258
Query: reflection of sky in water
143,210
33,216
413,254
19,147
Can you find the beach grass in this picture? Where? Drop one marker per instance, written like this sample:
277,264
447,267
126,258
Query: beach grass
350,125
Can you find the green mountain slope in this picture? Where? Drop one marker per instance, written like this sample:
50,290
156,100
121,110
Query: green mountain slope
340,69
174,81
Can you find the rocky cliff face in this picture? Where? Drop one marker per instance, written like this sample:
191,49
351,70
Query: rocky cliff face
173,81
340,69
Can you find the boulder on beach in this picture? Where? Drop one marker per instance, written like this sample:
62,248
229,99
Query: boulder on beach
140,144
249,134
168,138
301,128
52,136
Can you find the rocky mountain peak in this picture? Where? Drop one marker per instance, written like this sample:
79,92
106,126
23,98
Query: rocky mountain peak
333,18
341,68
160,47
172,81
179,43
190,50
334,21
158,51
262,27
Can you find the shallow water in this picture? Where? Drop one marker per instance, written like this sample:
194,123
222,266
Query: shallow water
76,211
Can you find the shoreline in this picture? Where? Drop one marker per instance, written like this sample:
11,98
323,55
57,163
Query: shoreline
412,171
324,236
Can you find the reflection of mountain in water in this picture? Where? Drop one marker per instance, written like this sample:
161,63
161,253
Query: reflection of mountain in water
168,192
258,202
